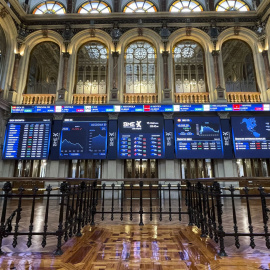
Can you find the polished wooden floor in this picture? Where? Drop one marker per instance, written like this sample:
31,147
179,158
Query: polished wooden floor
124,245
135,247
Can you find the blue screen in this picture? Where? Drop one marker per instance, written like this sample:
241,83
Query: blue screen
198,137
83,140
251,137
27,139
141,137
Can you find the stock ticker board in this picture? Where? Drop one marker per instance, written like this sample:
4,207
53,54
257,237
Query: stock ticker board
198,137
251,136
141,137
27,139
83,139
137,108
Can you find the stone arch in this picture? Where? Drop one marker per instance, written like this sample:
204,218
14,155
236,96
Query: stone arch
77,41
204,40
10,33
251,38
30,42
149,36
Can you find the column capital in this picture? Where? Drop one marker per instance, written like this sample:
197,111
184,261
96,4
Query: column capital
165,53
115,54
216,52
265,53
17,56
66,54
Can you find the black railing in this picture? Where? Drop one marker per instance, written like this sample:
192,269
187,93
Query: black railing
223,212
62,215
63,211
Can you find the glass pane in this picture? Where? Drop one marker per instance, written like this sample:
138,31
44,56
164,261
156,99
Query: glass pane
185,6
92,66
140,64
189,72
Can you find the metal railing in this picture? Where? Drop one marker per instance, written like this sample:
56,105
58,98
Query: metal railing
78,202
205,201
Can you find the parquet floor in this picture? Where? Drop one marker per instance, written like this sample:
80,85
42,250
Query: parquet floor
123,245
134,247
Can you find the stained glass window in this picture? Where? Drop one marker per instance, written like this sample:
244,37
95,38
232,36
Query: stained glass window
186,6
94,7
140,67
92,69
232,5
189,69
140,6
49,7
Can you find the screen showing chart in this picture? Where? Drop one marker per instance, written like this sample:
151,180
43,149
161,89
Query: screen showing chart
141,137
251,137
27,139
83,139
198,137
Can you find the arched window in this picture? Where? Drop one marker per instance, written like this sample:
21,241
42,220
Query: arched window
185,6
140,6
140,67
189,69
94,7
49,7
43,69
232,5
239,72
92,69
2,52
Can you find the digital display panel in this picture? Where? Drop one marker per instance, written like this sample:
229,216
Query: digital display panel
141,137
251,137
83,139
198,137
27,139
256,107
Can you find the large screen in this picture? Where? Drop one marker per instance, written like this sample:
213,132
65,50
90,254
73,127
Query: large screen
251,137
27,139
141,137
198,137
83,139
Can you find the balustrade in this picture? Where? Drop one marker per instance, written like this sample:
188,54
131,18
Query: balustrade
140,98
236,97
89,98
29,99
192,97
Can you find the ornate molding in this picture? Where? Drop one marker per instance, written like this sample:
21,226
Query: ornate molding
224,115
168,115
58,116
113,116
3,12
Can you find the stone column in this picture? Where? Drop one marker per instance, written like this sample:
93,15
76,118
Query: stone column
61,94
166,91
267,67
215,55
114,91
66,56
219,91
13,89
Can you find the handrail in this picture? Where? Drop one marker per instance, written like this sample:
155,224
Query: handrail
53,179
